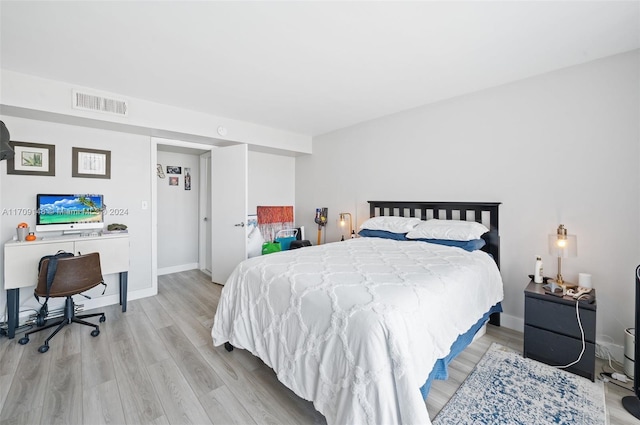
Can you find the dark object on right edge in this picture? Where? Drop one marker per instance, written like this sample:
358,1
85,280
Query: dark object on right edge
6,151
632,402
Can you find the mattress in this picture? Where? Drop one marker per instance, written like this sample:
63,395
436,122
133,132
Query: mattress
357,326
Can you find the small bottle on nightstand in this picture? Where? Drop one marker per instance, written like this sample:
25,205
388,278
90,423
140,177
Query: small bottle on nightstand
537,275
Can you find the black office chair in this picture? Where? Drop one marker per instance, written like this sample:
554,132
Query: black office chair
74,274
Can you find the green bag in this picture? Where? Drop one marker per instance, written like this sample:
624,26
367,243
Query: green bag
270,247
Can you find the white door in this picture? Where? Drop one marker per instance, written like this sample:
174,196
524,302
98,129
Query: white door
205,213
229,172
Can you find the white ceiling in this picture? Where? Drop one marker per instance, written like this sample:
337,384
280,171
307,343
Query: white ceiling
307,67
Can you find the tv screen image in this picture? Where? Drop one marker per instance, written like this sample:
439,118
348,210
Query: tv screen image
69,212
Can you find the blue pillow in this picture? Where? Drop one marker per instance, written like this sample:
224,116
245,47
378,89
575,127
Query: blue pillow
368,233
471,245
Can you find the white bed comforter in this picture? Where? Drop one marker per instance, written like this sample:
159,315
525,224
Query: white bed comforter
356,326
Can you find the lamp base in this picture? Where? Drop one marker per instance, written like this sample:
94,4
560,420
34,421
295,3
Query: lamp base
632,404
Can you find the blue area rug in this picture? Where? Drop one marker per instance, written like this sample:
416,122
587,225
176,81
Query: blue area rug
505,388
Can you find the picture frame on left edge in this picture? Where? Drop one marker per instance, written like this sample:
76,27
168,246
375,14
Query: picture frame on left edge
32,159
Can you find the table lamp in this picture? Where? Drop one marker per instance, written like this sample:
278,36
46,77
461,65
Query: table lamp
342,223
562,245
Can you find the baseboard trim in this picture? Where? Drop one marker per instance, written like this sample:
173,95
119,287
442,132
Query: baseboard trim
177,269
512,322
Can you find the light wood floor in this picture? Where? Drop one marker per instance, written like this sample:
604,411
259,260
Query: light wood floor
156,364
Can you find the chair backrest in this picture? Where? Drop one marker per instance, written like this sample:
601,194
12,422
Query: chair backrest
73,275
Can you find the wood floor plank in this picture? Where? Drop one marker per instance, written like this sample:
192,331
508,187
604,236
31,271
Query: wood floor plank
157,360
259,402
63,398
5,384
118,328
227,369
97,361
101,404
139,401
224,408
10,355
146,338
302,411
188,324
157,315
68,341
180,403
194,367
29,384
31,416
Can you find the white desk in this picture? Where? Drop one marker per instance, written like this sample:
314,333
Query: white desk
21,264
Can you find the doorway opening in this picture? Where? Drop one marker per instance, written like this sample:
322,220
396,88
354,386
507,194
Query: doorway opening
180,196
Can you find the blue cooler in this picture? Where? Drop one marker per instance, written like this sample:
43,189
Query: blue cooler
285,237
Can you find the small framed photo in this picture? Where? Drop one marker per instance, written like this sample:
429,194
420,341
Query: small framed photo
174,181
172,169
91,163
187,178
32,159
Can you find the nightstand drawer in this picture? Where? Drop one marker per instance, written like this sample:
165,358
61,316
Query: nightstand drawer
558,350
560,318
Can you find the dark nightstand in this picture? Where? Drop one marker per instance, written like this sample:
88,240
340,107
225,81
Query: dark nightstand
552,334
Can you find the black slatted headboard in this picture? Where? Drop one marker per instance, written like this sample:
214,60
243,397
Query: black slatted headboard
482,212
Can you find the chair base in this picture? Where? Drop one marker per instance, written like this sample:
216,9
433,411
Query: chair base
69,317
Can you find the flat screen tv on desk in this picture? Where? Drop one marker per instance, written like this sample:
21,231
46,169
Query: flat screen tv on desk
69,213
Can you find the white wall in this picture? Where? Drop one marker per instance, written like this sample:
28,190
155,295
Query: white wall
557,148
39,98
271,180
178,214
129,185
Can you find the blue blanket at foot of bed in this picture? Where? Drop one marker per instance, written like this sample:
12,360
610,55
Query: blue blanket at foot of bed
440,370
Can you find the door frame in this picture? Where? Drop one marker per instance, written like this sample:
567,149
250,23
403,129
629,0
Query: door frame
155,141
205,183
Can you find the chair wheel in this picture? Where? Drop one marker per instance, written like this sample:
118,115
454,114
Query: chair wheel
95,332
228,346
43,348
23,340
102,318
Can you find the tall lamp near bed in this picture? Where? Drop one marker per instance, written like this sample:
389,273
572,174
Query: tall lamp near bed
632,402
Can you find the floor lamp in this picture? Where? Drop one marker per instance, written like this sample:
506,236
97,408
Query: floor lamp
632,402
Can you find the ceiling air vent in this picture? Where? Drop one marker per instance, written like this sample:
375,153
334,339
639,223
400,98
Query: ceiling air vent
92,102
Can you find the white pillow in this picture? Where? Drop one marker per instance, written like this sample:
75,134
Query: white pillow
254,243
391,224
454,230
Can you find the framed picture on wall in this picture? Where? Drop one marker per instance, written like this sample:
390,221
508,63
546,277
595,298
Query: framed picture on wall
172,169
174,181
32,159
187,178
91,163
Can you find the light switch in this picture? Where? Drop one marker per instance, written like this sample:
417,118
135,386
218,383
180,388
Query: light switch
145,205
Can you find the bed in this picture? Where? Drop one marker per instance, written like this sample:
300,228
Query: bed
360,327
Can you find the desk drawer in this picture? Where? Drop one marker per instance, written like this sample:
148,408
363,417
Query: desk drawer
560,318
21,261
555,349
